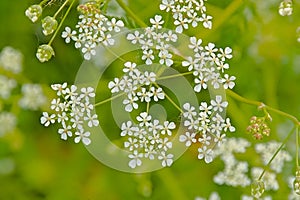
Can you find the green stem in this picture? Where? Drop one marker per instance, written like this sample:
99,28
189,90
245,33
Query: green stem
172,102
60,9
174,76
260,104
109,99
277,151
43,2
297,146
61,23
131,14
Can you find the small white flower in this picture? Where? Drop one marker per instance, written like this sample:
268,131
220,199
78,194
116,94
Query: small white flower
218,105
82,136
46,120
228,81
188,138
135,159
68,34
91,119
157,21
130,103
167,160
168,126
195,44
205,153
65,131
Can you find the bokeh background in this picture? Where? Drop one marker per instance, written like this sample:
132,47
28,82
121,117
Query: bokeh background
36,164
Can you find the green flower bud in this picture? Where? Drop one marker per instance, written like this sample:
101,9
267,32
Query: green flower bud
34,12
257,188
44,52
49,25
285,8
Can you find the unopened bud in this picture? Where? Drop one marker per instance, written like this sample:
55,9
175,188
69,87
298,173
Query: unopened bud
34,12
257,188
44,52
49,25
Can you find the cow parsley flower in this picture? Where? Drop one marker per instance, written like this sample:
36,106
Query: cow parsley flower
148,140
92,29
72,108
33,97
11,59
152,39
186,12
137,87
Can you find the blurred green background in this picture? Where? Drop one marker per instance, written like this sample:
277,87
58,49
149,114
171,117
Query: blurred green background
40,165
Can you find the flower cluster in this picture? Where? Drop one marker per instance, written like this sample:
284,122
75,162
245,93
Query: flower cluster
72,108
208,64
154,42
208,124
235,171
33,97
137,85
92,29
258,127
285,8
187,12
149,139
11,60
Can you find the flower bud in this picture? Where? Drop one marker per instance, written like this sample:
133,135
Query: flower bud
49,25
34,12
257,188
44,52
285,8
296,185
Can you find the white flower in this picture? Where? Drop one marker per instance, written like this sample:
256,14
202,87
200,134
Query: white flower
144,118
157,21
65,131
188,138
82,136
11,60
60,88
91,119
148,56
116,85
167,160
165,58
181,23
206,19
228,81
33,97
135,159
115,25
129,68
205,153
166,5
168,126
68,34
201,82
195,44
136,37
190,111
130,103
157,93
46,120
217,104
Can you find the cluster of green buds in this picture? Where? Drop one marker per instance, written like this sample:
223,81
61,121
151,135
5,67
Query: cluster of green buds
257,189
258,127
296,183
285,8
49,26
92,7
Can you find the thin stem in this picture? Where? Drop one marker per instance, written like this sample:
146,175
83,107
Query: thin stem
172,102
109,99
60,9
131,13
61,23
257,103
277,151
43,2
174,76
297,146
